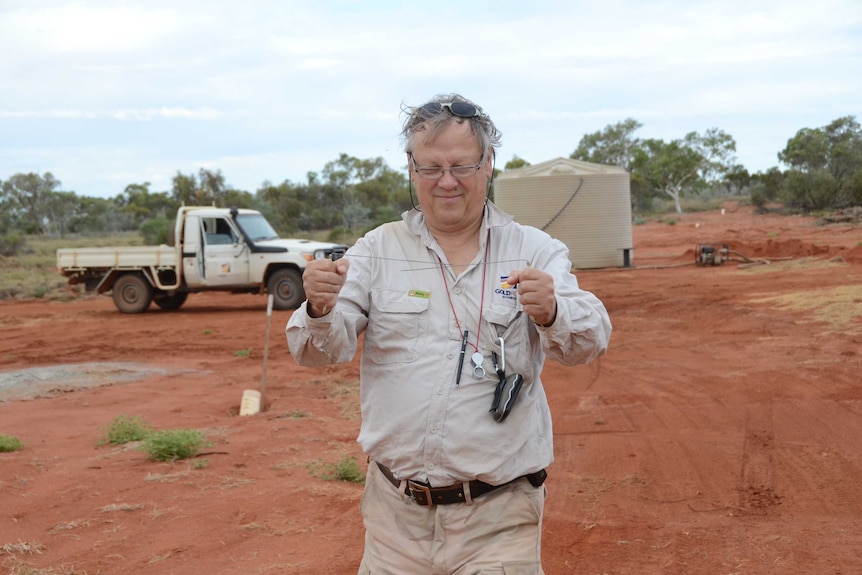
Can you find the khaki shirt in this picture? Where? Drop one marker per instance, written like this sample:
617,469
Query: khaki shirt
416,418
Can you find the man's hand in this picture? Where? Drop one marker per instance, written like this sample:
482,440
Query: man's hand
322,281
536,294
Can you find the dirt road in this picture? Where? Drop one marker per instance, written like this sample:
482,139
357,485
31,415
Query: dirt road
720,435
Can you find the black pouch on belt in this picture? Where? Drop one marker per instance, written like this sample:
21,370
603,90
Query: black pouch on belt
538,478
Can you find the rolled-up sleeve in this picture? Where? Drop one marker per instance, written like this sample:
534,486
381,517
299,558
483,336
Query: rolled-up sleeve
581,331
334,337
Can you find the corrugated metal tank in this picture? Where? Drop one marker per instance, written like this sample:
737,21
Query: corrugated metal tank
586,206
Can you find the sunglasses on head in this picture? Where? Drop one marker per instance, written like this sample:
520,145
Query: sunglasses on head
459,109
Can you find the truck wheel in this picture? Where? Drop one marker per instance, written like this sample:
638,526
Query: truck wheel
132,294
285,285
170,302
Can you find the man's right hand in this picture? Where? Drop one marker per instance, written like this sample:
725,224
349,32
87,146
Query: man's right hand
322,281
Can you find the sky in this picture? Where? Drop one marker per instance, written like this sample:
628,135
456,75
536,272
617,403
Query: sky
107,93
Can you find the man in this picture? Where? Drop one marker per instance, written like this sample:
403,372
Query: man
460,306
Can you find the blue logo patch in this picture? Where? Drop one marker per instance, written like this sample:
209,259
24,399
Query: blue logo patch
506,291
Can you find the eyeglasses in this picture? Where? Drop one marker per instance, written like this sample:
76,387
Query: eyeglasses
436,172
459,109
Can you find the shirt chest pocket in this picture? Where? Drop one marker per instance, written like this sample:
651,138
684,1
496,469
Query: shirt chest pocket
397,326
512,325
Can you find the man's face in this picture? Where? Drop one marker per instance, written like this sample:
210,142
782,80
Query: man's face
451,204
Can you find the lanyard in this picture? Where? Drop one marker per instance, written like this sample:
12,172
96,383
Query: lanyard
482,297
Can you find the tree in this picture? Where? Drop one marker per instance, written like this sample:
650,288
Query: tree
29,196
212,188
773,180
766,186
282,204
8,218
824,163
138,204
845,148
184,190
353,191
737,178
97,215
813,191
615,145
207,189
60,210
516,163
807,151
684,165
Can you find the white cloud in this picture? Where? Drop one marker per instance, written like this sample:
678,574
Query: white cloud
88,27
126,114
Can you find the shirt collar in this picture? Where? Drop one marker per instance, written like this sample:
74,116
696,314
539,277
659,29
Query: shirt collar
494,217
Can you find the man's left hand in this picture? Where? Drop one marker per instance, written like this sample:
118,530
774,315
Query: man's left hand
536,294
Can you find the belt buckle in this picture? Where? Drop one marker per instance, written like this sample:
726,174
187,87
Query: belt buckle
423,489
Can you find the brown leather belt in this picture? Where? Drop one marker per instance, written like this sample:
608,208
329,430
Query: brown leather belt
424,494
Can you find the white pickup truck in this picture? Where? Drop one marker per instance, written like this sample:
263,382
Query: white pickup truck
216,249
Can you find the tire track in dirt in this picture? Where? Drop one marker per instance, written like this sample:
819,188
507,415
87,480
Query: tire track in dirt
818,453
756,489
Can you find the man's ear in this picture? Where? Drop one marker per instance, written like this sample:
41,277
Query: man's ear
489,165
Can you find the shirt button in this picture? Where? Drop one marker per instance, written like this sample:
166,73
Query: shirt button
430,466
440,391
433,429
457,291
450,355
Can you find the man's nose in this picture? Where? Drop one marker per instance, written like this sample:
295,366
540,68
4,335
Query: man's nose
447,180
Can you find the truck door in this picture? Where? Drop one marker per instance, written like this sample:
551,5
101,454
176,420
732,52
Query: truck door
225,255
193,253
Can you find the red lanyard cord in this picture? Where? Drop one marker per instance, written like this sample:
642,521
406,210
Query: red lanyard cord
481,299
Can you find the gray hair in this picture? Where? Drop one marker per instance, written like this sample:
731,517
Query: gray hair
481,126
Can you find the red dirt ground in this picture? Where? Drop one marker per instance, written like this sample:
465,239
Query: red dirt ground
721,434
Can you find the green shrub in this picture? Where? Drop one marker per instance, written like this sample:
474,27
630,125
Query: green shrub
758,196
345,469
126,429
10,244
337,234
173,444
155,231
9,443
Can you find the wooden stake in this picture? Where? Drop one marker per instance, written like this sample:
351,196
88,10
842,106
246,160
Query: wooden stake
265,353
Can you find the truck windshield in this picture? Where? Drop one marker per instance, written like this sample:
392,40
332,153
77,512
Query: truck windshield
256,227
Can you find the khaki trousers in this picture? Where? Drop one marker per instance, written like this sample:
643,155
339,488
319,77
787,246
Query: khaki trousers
498,533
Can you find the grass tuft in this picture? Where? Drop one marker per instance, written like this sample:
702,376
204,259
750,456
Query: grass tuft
345,469
9,443
173,444
125,430
22,548
16,566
